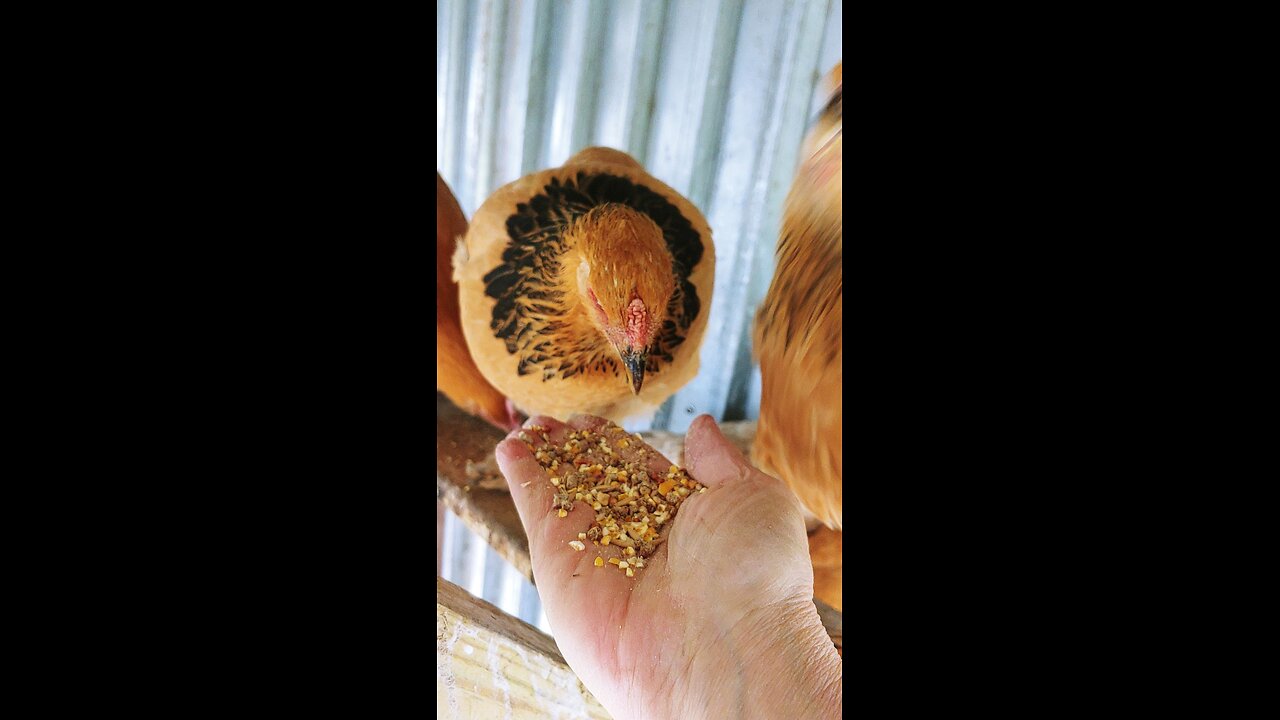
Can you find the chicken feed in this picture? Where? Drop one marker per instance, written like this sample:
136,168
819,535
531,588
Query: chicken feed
610,470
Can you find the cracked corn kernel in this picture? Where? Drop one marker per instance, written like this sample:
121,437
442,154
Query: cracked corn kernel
561,513
623,564
582,536
630,572
613,561
577,545
599,561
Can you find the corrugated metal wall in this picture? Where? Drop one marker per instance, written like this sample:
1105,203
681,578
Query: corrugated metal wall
712,96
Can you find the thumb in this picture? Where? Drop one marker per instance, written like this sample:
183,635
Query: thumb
712,460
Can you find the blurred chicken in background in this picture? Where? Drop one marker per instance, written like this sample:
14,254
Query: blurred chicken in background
456,373
798,343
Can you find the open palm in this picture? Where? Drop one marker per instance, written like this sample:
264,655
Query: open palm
735,561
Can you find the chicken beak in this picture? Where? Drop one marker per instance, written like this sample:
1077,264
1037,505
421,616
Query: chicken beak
634,361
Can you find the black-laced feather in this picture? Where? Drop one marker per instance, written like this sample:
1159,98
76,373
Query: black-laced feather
524,284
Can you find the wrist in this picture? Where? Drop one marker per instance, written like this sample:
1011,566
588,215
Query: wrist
776,661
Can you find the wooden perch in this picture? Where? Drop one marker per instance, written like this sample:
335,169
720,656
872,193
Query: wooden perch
469,484
491,665
482,500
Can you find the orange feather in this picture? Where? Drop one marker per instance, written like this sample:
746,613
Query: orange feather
456,373
798,328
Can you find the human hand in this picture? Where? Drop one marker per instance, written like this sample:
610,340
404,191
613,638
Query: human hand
719,623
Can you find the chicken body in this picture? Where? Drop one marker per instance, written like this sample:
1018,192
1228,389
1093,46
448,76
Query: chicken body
586,288
456,373
797,337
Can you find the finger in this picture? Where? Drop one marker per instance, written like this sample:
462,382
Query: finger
559,569
711,459
550,427
588,422
531,489
534,492
549,534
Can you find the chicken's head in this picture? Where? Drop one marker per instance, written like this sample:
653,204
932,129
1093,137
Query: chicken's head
624,281
817,195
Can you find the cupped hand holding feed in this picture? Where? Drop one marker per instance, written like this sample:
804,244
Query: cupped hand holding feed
717,621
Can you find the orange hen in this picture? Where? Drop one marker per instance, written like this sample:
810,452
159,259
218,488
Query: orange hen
797,337
585,288
456,373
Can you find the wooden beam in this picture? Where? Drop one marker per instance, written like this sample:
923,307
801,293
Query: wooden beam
469,483
479,498
491,665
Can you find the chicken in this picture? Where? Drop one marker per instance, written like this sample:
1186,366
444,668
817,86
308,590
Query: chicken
826,552
797,336
585,288
456,373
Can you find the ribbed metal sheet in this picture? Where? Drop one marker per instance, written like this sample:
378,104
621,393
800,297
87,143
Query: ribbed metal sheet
712,96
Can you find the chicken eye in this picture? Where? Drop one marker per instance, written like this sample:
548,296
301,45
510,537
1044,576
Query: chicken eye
599,310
